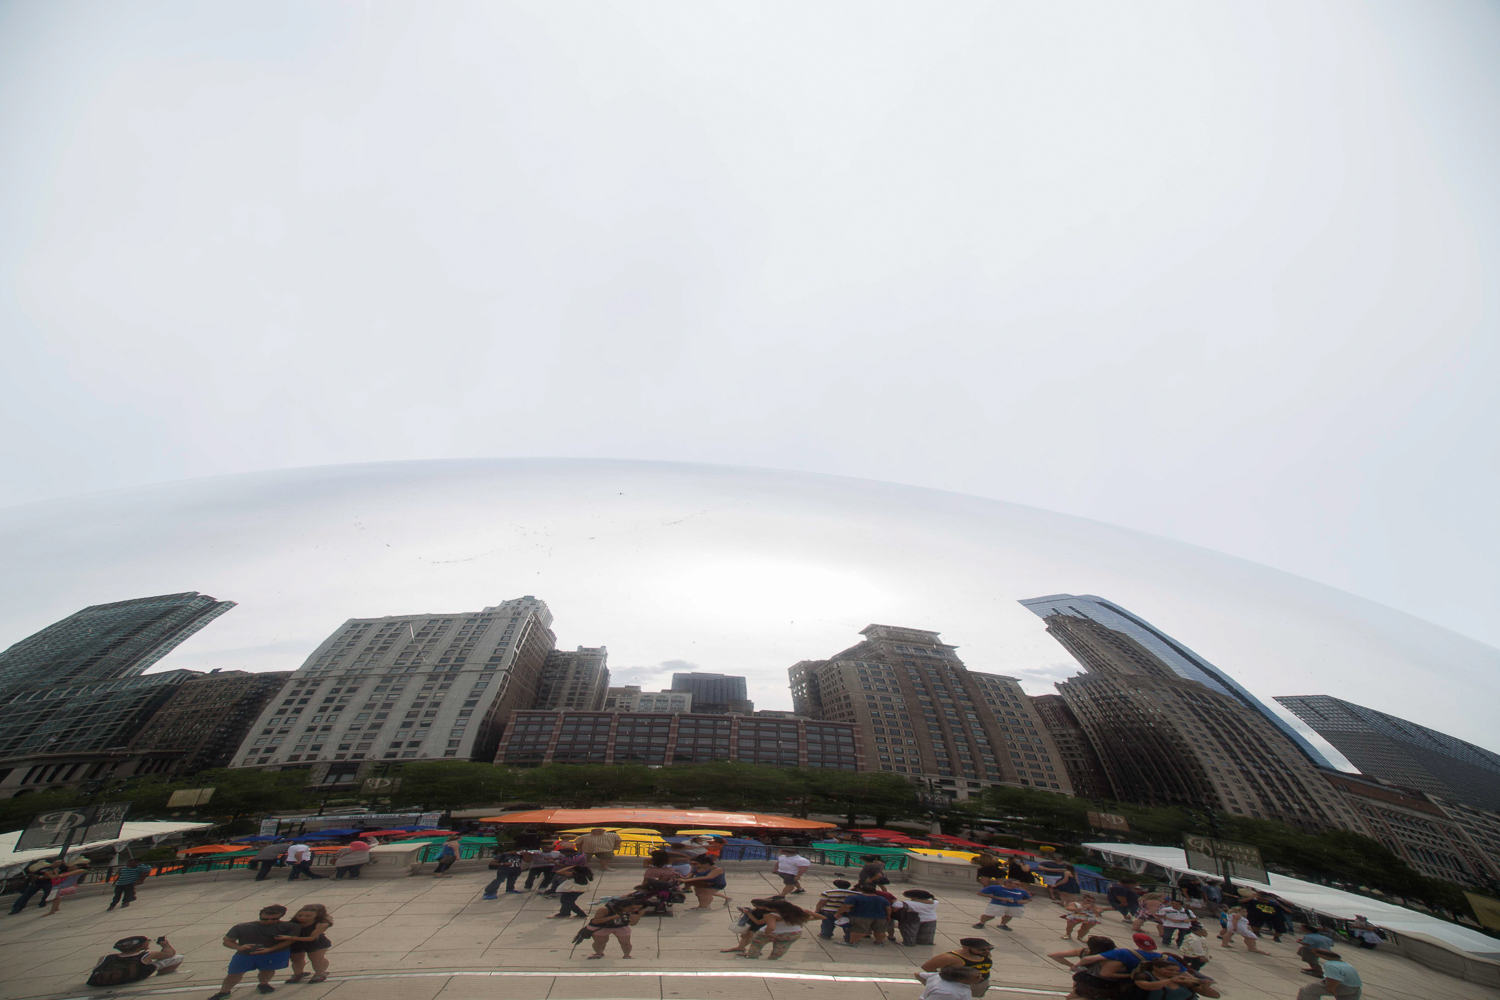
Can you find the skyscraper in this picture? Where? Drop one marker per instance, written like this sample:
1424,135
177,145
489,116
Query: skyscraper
404,687
106,641
77,686
1403,753
715,694
1153,645
208,716
1164,739
574,679
1073,746
921,712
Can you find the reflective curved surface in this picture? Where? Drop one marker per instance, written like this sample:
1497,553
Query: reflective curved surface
734,570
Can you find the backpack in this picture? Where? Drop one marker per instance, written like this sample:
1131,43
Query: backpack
115,970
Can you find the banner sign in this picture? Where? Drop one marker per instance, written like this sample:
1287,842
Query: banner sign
79,825
268,827
1108,821
430,819
381,786
1224,857
185,798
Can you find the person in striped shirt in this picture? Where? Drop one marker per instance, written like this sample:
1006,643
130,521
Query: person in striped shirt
828,907
126,879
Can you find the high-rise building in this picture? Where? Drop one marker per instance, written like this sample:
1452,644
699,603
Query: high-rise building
921,712
715,694
405,687
1403,753
1163,739
632,699
76,687
662,738
575,679
1078,756
1156,650
106,641
208,716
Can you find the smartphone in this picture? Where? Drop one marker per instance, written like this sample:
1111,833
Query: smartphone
161,940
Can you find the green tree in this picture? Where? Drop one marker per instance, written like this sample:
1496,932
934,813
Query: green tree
880,795
584,785
453,784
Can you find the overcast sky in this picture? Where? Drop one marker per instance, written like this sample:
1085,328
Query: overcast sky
1221,272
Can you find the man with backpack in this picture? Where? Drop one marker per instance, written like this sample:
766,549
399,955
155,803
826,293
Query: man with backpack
133,961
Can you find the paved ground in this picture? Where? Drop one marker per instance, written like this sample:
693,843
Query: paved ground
421,938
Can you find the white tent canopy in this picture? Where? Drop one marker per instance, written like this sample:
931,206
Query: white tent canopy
1321,899
10,858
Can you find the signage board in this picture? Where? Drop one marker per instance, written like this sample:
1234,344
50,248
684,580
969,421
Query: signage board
78,825
1108,821
1224,857
185,798
380,786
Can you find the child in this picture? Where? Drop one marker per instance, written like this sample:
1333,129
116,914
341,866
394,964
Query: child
917,918
1083,916
1237,922
1193,949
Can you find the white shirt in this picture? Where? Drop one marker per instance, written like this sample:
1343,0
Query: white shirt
926,912
939,988
1171,916
794,865
298,852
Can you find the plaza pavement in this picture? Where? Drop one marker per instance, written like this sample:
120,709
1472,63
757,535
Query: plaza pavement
421,938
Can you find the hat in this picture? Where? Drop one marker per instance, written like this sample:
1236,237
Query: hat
1145,942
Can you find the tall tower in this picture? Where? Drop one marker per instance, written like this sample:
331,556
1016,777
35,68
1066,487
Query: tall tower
577,680
715,694
1164,739
921,712
1404,753
1151,650
406,687
77,686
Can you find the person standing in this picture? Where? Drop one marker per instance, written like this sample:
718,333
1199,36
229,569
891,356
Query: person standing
873,873
507,868
543,864
265,859
614,919
310,943
1308,945
350,859
448,856
38,880
1018,871
972,953
1123,897
65,879
951,983
783,925
790,865
918,918
126,880
1235,922
869,913
707,880
257,948
601,846
1340,979
1193,949
1080,917
991,871
1173,918
570,883
828,906
1006,901
300,857
1266,911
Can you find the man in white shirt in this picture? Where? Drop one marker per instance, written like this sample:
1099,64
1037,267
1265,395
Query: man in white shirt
790,866
300,856
951,983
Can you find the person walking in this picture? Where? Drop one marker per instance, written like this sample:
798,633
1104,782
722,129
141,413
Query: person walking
828,906
1308,945
1123,897
350,858
543,864
971,953
1006,901
601,846
917,918
1193,949
790,865
707,880
1267,912
783,925
752,919
1150,904
1340,979
1235,922
1067,889
507,868
126,880
1173,919
310,944
448,856
300,857
265,859
614,919
571,882
133,960
1080,918
869,914
257,948
65,879
38,880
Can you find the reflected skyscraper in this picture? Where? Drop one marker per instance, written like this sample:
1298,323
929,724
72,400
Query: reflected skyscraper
1150,644
715,694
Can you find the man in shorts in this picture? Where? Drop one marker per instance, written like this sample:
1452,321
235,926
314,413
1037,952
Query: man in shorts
869,914
790,866
256,950
1007,901
600,845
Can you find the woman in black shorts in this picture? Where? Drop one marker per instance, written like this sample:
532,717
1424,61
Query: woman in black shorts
310,944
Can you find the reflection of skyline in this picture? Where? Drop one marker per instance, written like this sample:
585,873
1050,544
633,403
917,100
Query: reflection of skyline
679,567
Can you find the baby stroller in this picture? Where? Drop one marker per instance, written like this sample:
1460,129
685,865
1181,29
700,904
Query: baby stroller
659,895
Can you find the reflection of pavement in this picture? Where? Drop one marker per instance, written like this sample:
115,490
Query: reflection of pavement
414,938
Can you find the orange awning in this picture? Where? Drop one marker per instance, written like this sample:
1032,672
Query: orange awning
653,817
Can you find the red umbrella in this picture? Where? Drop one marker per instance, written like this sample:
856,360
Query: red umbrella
882,834
957,840
429,833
